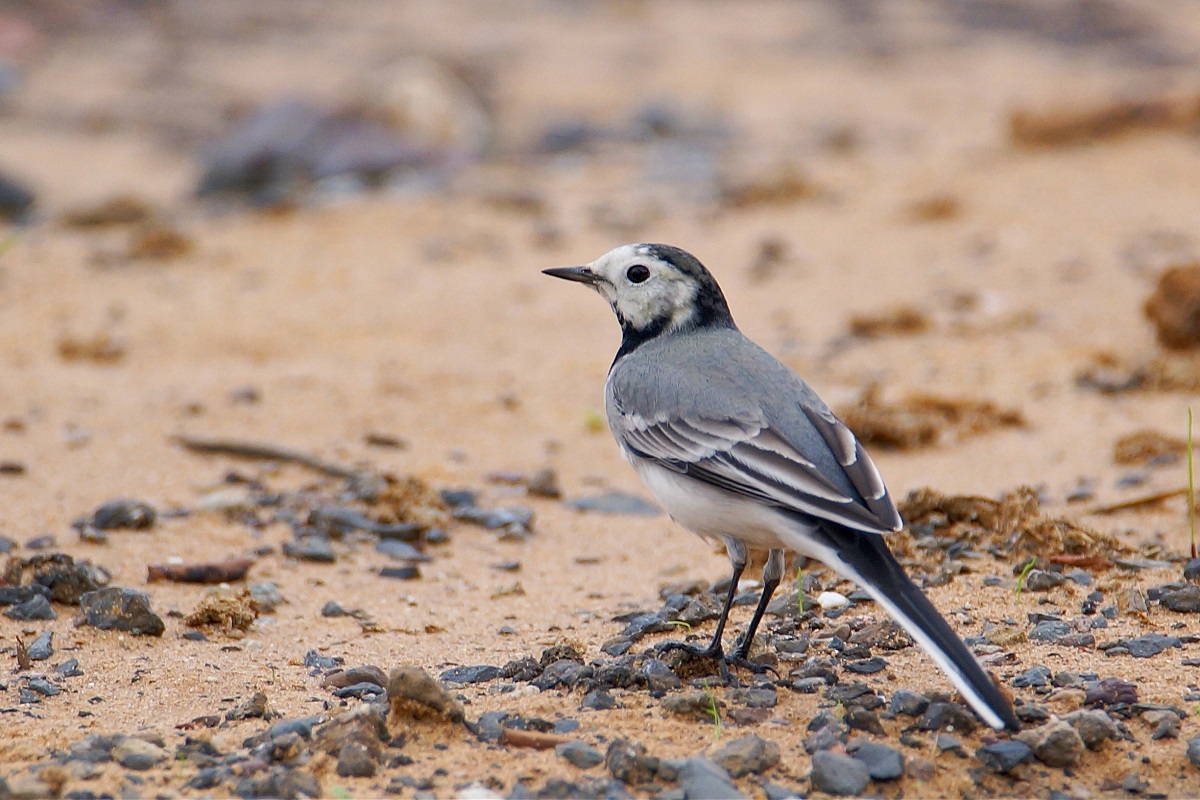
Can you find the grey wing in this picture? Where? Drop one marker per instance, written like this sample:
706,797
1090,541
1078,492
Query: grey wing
748,457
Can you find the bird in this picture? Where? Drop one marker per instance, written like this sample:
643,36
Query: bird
739,450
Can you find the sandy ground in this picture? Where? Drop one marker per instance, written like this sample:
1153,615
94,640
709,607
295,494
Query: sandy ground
422,314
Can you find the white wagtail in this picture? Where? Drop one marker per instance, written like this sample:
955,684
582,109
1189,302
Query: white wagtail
739,450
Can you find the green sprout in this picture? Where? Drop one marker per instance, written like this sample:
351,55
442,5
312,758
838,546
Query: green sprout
1025,570
713,710
800,589
678,623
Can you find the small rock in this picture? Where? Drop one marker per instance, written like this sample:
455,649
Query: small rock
266,596
1004,756
117,608
1049,631
1056,744
404,572
1040,580
860,719
253,708
579,754
1164,722
946,743
1095,726
413,693
355,760
42,647
36,608
311,548
947,716
598,700
748,754
137,754
401,551
1174,307
645,624
615,503
367,673
1193,751
1185,600
831,601
701,779
477,674
910,704
838,774
1150,644
124,514
544,483
883,763
1110,691
1032,677
867,666
629,763
43,687
69,668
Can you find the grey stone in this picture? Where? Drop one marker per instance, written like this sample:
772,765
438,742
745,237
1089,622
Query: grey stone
839,775
124,514
1032,677
1185,600
910,704
1050,630
883,763
629,763
1004,756
745,755
701,779
265,596
867,666
355,760
311,548
476,674
42,647
947,716
580,754
1150,644
1039,580
36,607
615,503
1193,751
137,754
1095,726
117,608
401,551
1056,744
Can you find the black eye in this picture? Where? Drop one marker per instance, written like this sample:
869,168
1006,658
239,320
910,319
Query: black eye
637,273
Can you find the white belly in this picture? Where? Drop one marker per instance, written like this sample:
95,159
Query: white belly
715,514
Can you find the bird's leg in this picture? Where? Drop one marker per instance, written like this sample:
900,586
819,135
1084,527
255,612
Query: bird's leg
737,555
772,573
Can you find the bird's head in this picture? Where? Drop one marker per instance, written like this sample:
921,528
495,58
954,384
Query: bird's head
653,289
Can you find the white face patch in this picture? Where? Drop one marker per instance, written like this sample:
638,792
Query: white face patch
667,294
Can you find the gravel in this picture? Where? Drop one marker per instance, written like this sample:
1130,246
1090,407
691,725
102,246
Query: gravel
117,608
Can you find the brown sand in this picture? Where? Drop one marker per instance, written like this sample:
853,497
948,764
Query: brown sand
347,322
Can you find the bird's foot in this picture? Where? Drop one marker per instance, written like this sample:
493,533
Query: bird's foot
693,653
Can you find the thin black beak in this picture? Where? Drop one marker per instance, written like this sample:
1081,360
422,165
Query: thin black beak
577,274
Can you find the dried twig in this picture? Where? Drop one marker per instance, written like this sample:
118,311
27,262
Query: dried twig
264,452
1138,502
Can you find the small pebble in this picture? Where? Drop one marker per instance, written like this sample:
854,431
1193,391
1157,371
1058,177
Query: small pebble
36,608
838,774
311,548
1056,744
405,572
1193,751
121,609
745,755
883,763
615,502
1004,756
42,647
701,779
1032,677
476,674
579,754
124,514
830,601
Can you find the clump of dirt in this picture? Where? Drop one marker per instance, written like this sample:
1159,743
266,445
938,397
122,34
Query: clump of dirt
1170,372
412,692
1174,307
935,208
411,500
898,321
101,348
1148,447
117,210
1068,127
226,609
784,188
944,527
922,420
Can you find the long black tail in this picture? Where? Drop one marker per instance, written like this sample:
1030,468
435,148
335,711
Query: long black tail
865,559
